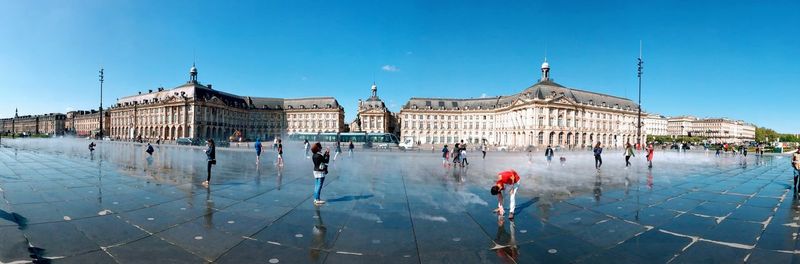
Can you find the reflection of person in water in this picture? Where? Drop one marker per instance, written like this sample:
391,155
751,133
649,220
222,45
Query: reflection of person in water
280,177
650,179
505,242
598,190
318,241
209,216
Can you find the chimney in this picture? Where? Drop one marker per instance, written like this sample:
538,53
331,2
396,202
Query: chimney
140,92
150,91
209,86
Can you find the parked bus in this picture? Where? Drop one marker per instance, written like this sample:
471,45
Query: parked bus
367,140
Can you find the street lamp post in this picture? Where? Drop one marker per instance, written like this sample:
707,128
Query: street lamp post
101,103
639,74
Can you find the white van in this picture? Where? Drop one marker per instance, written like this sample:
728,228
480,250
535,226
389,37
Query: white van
407,143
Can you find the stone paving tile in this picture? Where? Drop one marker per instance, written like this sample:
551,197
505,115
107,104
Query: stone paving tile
382,210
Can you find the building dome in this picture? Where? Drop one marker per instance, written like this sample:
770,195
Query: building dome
194,69
545,65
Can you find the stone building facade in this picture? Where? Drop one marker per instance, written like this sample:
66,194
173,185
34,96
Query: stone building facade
86,123
373,116
655,125
545,113
723,130
197,111
48,124
680,125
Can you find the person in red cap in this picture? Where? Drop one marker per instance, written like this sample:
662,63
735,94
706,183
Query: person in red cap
511,178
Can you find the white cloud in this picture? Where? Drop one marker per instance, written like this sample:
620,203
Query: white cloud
484,95
69,109
390,68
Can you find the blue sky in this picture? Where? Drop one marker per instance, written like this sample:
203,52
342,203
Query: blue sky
736,59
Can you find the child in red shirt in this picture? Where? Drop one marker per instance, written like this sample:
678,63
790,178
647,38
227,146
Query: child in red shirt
509,177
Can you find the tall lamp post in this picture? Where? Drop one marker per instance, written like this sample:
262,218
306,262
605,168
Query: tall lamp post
639,74
101,104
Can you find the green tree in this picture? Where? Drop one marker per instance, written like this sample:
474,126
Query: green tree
763,134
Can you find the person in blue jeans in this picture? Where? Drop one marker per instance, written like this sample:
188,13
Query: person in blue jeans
258,151
320,170
598,160
548,153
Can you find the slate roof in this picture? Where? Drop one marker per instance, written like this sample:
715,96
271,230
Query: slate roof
540,90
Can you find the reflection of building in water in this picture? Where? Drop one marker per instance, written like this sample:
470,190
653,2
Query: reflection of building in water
546,113
195,110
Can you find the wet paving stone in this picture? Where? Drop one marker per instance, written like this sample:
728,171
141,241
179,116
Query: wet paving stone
134,209
707,252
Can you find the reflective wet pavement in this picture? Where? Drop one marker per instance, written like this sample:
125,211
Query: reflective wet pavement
63,205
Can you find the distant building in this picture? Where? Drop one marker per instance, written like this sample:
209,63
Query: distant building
86,123
48,124
198,111
373,116
680,125
545,113
723,130
654,125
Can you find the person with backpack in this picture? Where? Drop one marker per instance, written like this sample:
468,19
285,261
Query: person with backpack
149,149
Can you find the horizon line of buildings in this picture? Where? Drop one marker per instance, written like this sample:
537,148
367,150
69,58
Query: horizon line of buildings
546,113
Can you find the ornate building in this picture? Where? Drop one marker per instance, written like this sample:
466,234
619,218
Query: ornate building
723,130
373,116
654,125
86,123
680,125
194,110
48,124
545,113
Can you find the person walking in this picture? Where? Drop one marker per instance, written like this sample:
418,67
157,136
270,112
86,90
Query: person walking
320,170
258,151
796,165
280,153
598,160
628,154
463,155
510,178
211,155
456,154
548,153
483,149
91,147
306,146
445,156
650,152
149,149
338,150
350,149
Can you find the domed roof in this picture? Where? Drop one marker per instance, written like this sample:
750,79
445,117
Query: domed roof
545,65
193,70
